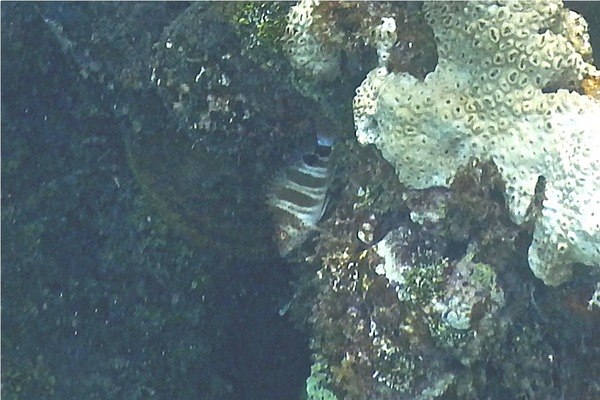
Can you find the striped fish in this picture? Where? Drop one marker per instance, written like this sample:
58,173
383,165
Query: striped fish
299,197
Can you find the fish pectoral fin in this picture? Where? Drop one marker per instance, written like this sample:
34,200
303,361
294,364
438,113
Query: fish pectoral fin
324,207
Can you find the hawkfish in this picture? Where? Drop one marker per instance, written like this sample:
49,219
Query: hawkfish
299,196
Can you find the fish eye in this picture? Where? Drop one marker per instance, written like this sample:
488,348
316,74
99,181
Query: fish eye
323,151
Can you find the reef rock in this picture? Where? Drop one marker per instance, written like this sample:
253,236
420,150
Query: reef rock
501,91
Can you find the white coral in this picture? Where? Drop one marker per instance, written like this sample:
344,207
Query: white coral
485,99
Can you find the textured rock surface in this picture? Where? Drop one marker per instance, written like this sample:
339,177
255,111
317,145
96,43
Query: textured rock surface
305,51
500,91
105,296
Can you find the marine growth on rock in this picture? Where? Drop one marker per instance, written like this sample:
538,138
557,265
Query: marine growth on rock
504,90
